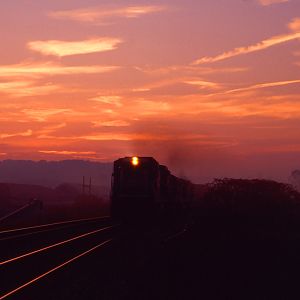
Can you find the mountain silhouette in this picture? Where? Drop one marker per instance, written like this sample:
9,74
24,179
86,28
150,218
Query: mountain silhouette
53,173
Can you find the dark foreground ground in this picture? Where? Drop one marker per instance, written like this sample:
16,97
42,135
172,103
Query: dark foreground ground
210,257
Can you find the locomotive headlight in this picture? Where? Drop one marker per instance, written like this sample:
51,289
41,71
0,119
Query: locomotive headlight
134,161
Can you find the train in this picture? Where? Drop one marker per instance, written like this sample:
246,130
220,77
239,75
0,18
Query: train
141,188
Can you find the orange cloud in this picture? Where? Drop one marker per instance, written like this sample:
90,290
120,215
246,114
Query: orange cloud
49,129
42,115
236,109
99,15
67,48
114,100
160,84
264,85
66,152
188,70
40,69
203,84
114,123
9,135
269,2
284,110
148,107
141,89
226,107
26,88
107,136
265,44
135,107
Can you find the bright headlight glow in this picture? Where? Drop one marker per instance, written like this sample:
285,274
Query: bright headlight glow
135,161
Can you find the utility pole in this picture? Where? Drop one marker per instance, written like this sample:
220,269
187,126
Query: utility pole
83,185
89,186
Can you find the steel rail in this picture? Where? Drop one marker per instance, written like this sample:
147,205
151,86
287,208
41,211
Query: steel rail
43,230
54,269
53,245
52,224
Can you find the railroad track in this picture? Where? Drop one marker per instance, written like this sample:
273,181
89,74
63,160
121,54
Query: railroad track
29,254
14,232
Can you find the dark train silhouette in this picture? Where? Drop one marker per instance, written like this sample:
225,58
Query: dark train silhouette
143,188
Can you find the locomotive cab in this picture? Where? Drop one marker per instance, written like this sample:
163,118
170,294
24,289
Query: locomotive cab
134,190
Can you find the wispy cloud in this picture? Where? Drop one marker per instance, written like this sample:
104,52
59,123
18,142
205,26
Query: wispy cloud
67,152
40,69
148,107
229,106
26,88
165,82
114,100
157,84
42,115
269,2
203,84
95,137
67,48
23,134
113,123
51,128
176,84
265,44
100,15
274,110
188,69
264,85
147,136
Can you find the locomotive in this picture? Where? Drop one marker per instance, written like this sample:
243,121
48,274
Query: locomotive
142,188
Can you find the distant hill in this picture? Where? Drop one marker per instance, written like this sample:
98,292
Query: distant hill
53,173
23,193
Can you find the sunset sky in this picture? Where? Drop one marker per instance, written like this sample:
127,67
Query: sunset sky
211,88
